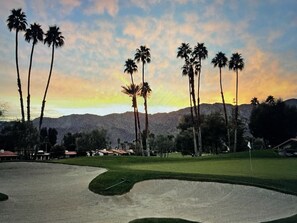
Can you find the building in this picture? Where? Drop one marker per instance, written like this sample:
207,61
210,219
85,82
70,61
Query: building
287,148
8,155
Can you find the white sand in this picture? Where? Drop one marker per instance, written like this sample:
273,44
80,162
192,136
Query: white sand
40,192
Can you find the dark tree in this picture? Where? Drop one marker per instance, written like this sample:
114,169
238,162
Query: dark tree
164,144
69,141
52,136
220,61
17,21
274,121
185,52
200,53
214,130
255,101
53,38
184,140
34,34
143,55
96,139
20,137
130,68
236,63
133,91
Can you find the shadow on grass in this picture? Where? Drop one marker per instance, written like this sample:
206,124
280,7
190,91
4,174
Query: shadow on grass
292,219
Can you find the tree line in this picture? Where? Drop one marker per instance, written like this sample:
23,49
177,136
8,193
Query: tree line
53,38
133,90
17,21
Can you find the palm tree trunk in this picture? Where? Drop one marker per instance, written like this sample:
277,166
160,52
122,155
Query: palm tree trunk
135,119
46,89
193,121
225,110
146,114
198,116
236,113
146,126
139,130
28,87
132,79
18,76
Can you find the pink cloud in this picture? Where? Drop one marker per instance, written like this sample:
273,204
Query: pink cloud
99,7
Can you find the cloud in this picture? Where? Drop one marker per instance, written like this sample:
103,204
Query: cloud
69,5
100,7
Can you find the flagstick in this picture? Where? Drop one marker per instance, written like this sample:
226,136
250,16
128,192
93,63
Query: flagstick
251,166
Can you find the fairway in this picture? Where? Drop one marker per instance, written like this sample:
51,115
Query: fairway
268,170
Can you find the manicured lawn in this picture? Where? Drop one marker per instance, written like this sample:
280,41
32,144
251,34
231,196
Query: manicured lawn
268,170
3,197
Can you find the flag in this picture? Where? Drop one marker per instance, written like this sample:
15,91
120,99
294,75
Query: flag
249,145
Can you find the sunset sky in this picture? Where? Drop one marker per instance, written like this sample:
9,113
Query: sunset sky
100,35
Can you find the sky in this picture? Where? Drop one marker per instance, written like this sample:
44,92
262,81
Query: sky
100,35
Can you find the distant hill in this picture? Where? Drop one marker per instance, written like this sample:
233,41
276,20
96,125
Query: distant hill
291,102
122,125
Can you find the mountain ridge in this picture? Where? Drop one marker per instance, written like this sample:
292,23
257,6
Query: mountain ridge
121,125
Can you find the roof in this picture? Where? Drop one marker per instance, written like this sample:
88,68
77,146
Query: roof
7,153
70,153
285,142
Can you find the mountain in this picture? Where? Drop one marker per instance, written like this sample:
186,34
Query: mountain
122,125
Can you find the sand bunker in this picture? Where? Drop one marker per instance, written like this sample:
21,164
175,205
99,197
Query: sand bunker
40,192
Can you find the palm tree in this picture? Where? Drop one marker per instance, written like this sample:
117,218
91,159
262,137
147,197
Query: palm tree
184,52
220,61
199,53
53,38
236,63
133,91
17,21
143,54
255,101
34,33
130,68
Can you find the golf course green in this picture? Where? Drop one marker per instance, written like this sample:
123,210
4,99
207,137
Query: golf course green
265,169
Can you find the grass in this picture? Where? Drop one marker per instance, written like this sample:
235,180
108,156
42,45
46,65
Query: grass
268,171
3,197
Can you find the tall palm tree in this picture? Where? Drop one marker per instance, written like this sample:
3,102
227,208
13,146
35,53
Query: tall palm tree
133,91
220,61
130,68
200,53
236,63
34,33
184,52
54,38
143,55
17,21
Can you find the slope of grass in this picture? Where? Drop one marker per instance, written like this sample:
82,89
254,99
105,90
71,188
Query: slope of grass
267,170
